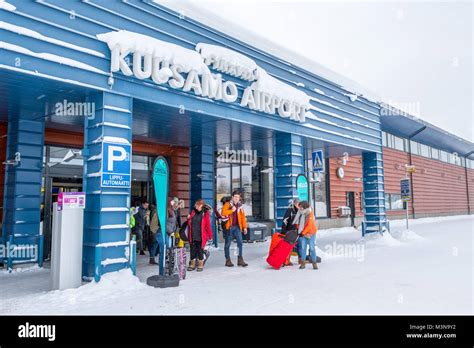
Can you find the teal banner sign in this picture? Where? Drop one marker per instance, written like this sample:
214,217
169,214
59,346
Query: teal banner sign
160,183
302,187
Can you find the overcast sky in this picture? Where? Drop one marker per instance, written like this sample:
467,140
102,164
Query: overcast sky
415,54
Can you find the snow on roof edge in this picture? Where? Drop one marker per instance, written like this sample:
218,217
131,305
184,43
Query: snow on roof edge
214,21
235,31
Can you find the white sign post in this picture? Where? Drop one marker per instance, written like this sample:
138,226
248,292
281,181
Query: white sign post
66,251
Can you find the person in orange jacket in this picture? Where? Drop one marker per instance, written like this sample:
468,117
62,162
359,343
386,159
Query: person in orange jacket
235,226
307,229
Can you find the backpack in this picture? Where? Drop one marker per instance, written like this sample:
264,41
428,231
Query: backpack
132,219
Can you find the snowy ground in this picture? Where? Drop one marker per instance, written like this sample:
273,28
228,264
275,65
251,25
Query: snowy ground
428,270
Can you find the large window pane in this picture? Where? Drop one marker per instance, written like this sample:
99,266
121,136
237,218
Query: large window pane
247,189
414,147
425,150
222,183
396,201
399,143
387,201
318,189
235,177
443,156
435,153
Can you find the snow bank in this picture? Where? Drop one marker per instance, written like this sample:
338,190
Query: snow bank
273,86
174,54
378,240
406,235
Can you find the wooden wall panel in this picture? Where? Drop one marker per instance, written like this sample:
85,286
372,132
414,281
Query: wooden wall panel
470,182
394,171
439,187
339,187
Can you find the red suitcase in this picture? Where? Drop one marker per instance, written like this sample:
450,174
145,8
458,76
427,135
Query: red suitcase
279,254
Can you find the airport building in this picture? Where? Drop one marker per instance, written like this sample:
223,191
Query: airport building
86,85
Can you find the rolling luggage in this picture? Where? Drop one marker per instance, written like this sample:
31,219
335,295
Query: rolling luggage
280,249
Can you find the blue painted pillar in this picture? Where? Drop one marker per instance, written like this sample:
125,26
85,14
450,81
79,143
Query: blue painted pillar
202,169
289,162
107,213
22,193
374,195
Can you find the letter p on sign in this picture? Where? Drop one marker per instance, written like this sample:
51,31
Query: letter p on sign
116,154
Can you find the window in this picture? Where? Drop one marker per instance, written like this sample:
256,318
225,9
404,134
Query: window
399,143
457,160
247,188
450,158
317,188
425,150
255,182
384,139
236,178
396,201
390,140
393,201
222,181
435,153
443,156
387,201
414,147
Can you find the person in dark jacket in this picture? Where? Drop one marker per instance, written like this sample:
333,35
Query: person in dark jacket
289,216
199,232
142,221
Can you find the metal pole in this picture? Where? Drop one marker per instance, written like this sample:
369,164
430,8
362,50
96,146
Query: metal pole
406,209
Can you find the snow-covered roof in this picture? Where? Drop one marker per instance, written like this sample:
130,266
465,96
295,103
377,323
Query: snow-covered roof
214,21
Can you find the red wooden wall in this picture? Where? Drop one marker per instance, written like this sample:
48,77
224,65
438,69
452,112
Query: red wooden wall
394,171
339,187
439,187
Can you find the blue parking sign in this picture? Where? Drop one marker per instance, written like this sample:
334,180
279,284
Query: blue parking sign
318,161
116,165
405,189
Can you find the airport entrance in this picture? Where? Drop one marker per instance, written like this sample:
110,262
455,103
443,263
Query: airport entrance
63,172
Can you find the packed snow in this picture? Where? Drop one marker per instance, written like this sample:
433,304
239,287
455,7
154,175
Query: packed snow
427,269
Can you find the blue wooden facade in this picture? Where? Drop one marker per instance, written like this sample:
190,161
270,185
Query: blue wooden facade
49,51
